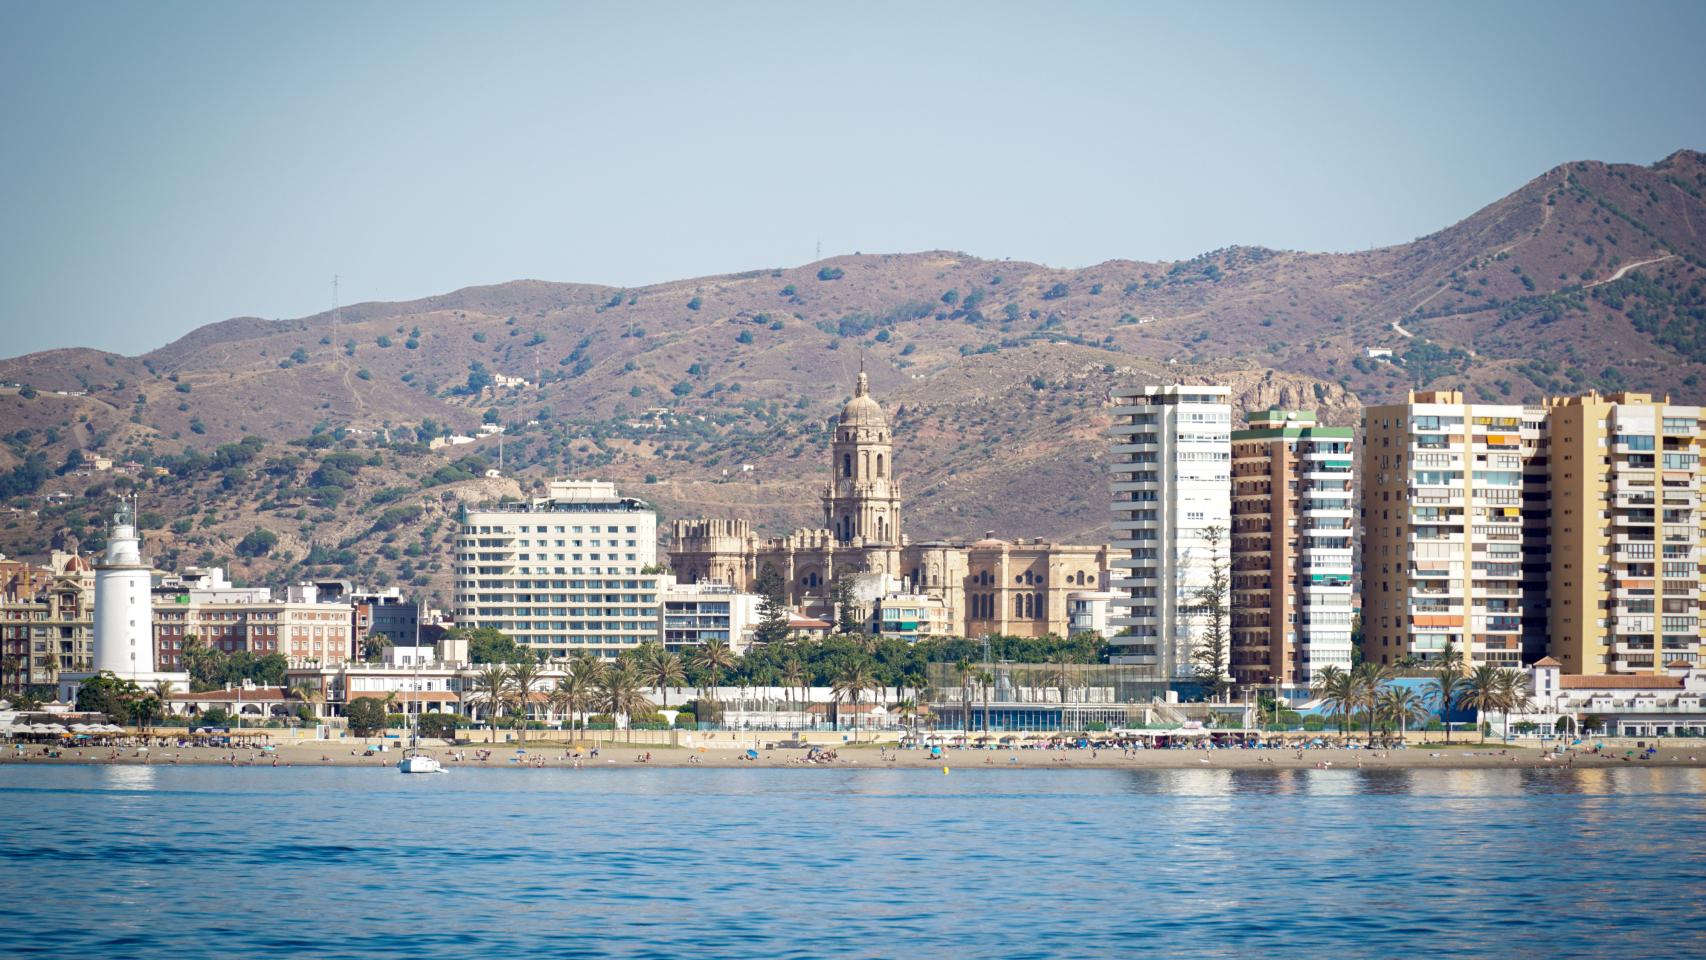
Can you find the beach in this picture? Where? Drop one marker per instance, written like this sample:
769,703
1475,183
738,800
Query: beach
604,754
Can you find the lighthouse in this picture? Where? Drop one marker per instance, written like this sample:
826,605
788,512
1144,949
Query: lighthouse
124,616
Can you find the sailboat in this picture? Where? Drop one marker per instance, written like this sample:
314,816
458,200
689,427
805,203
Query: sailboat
414,761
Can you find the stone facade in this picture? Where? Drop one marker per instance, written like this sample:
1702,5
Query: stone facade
990,586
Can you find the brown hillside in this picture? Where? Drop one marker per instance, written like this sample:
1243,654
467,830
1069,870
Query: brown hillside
996,372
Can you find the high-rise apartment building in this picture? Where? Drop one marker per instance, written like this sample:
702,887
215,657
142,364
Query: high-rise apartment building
1171,485
1292,517
1445,484
1625,530
573,571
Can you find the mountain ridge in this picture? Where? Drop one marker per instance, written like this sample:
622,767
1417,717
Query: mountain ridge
997,371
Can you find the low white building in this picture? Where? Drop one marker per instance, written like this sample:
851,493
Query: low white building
1620,705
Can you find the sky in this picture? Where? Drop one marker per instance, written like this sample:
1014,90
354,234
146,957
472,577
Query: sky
166,165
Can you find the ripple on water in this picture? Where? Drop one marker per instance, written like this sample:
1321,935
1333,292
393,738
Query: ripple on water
201,862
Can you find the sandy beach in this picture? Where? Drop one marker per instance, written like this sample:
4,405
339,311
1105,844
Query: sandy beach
291,754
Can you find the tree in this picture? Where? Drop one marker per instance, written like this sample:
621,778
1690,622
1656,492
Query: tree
523,675
1060,678
216,717
850,684
1400,705
1447,690
619,692
491,689
12,672
366,716
773,612
661,669
1370,678
575,690
257,543
479,378
441,726
107,694
845,600
963,668
1212,653
986,681
1484,692
712,658
794,676
1514,697
374,647
310,696
491,645
1338,690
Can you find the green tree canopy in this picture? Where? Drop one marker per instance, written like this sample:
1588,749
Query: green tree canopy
491,645
366,716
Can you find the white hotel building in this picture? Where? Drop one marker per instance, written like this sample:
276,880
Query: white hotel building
570,572
1172,482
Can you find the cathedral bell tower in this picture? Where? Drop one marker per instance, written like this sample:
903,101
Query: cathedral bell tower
862,501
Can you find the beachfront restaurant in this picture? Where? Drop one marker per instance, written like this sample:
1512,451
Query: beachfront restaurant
1048,697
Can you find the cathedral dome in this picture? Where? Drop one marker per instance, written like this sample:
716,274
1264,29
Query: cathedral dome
863,410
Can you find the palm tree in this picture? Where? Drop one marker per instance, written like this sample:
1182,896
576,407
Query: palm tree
576,690
523,676
1340,692
661,669
1513,690
1483,691
963,668
162,691
851,682
713,658
12,672
1058,676
491,688
620,692
1370,677
985,679
1400,705
794,676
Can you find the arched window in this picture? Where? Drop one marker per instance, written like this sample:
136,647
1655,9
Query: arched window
1018,606
847,464
879,465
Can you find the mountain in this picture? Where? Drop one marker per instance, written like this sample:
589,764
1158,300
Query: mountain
996,373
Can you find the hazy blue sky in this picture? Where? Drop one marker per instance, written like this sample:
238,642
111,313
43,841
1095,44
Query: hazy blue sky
166,165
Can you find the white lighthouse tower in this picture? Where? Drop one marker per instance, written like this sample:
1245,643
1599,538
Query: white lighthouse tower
124,614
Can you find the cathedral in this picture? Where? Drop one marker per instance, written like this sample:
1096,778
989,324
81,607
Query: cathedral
1018,588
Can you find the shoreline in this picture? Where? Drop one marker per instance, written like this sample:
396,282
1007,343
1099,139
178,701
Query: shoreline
556,756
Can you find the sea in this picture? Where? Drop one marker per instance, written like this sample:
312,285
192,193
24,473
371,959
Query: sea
624,861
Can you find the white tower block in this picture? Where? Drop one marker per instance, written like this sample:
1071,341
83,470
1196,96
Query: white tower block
124,614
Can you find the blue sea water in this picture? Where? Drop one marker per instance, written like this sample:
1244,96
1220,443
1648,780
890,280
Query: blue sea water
188,862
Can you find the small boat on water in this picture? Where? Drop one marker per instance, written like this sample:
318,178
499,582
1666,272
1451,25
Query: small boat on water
414,761
420,763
